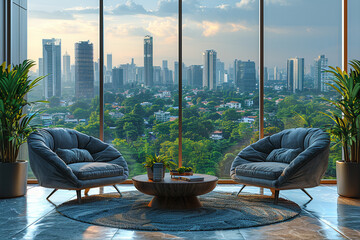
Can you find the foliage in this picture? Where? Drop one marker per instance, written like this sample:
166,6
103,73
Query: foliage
183,169
346,115
152,159
15,124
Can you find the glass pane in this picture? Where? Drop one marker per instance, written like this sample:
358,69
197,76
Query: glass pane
63,40
220,83
141,106
353,31
297,49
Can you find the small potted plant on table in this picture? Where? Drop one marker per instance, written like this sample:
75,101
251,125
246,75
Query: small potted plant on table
182,171
152,159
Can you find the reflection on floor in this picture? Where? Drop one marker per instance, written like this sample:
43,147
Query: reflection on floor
328,216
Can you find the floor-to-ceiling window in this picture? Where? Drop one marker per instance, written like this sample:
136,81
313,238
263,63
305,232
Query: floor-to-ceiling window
220,82
220,73
140,85
302,38
353,30
63,41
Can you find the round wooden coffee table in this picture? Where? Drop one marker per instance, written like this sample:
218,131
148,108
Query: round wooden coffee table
175,194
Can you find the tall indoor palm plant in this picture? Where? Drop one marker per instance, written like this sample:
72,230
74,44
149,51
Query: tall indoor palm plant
15,127
346,129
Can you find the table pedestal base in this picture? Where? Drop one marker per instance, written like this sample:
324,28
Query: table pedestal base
175,203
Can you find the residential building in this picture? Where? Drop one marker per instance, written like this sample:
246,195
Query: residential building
162,116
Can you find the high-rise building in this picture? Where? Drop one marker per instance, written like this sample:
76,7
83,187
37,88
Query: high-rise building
320,76
118,78
157,75
148,61
41,67
276,73
84,70
52,67
66,68
195,77
209,71
220,72
295,74
166,74
246,76
266,74
109,62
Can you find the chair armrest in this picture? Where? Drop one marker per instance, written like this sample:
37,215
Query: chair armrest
307,168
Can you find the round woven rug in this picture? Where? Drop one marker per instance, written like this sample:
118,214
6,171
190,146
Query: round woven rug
220,211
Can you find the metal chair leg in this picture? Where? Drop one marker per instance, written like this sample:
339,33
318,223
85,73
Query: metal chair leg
117,190
241,190
86,192
276,196
47,198
307,193
78,194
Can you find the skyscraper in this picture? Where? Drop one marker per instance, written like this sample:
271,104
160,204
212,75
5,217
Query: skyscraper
220,72
66,68
109,62
276,73
195,77
118,78
52,67
321,77
84,70
295,74
148,61
266,74
246,76
209,71
165,74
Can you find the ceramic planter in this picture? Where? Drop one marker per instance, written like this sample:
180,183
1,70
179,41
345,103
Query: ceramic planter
348,179
13,179
150,172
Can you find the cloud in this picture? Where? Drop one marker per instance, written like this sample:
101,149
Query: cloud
245,4
129,8
214,28
210,28
223,6
52,15
83,10
165,28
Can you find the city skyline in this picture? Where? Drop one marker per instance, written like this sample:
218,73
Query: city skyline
229,27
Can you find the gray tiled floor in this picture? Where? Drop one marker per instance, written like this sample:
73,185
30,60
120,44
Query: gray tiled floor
328,216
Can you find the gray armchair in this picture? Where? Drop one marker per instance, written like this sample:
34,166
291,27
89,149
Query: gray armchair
85,162
292,159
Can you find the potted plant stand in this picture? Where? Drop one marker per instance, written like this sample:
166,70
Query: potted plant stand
15,126
348,179
13,179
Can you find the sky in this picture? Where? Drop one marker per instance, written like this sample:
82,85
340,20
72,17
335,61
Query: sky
293,28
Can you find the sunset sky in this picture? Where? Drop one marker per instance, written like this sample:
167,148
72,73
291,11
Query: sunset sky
303,28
